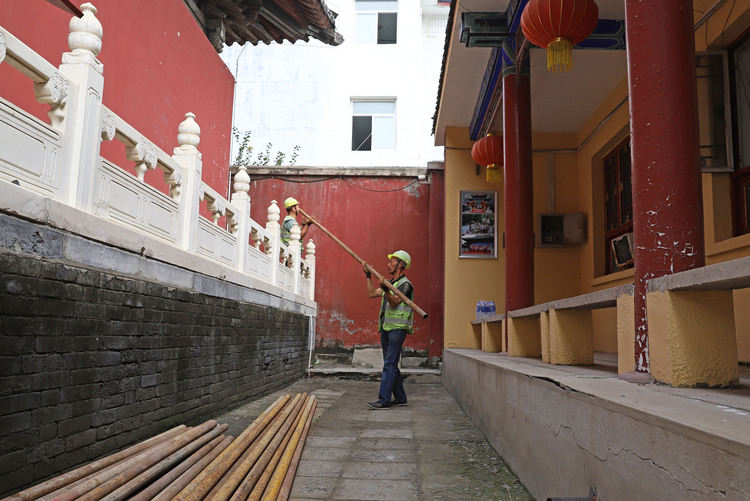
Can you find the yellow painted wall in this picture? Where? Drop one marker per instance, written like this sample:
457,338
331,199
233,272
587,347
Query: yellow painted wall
467,280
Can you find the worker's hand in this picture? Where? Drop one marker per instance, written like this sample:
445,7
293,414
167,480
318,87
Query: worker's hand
383,281
366,269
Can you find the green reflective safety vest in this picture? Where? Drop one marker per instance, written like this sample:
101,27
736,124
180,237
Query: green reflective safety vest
400,317
286,230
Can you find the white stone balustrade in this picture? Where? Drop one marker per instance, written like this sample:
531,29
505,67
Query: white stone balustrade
61,160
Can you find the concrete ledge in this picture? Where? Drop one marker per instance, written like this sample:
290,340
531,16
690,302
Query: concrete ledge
734,274
606,298
493,318
566,430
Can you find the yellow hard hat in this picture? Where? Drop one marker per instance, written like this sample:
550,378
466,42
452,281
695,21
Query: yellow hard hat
290,202
403,256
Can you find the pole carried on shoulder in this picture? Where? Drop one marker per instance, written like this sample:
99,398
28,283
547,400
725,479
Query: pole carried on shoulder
388,285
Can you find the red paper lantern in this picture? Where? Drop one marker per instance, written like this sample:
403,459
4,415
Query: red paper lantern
558,25
488,152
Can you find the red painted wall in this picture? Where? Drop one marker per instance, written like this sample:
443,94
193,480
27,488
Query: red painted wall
373,216
158,65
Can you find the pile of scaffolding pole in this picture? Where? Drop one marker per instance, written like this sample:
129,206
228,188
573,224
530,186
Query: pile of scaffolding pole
196,463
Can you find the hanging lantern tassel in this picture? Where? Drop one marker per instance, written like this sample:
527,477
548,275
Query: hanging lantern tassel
488,152
494,173
559,55
558,25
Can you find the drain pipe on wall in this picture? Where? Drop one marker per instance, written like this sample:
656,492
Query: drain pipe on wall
310,342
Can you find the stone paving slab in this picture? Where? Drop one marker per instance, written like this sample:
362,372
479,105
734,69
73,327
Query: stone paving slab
427,451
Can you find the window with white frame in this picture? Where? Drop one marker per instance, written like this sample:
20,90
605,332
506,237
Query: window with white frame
373,125
376,21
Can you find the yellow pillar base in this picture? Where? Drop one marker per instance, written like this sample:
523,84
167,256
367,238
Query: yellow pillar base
691,338
544,325
524,337
492,337
625,335
571,337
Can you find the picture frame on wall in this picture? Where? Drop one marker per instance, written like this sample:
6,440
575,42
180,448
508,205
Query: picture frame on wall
478,225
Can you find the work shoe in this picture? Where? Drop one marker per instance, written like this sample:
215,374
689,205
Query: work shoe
394,403
378,406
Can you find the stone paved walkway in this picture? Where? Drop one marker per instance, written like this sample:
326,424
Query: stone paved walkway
428,450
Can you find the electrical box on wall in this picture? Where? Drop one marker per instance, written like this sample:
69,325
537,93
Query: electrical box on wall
557,230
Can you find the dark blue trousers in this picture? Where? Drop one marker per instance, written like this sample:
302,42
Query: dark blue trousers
391,383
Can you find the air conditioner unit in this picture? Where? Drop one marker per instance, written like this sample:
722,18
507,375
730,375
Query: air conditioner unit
557,230
622,250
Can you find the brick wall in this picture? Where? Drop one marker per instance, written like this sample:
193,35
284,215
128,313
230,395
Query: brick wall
91,362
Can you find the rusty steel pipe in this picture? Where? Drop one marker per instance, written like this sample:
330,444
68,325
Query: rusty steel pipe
163,482
388,285
98,477
156,470
281,484
267,472
65,479
240,461
229,485
252,477
204,482
98,488
180,482
286,487
288,442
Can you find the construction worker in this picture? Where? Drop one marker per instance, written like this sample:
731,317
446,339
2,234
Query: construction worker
395,321
292,209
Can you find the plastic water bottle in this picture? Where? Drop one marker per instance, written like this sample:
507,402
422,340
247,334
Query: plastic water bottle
485,309
492,308
479,310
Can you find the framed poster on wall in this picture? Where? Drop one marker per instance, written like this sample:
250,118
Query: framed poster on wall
478,232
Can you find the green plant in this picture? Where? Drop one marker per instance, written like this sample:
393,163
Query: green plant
244,154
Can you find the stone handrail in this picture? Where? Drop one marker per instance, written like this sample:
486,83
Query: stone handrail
62,160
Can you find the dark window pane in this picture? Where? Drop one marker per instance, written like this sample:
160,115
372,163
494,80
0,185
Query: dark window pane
626,189
387,28
361,133
610,193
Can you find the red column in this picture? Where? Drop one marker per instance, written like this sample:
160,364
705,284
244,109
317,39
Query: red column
519,207
666,176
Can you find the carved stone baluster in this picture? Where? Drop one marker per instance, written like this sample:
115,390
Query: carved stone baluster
310,260
233,223
174,180
85,39
217,208
143,153
55,93
255,238
241,181
108,126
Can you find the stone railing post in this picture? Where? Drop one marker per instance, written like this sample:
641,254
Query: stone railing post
274,228
310,260
295,256
241,200
188,157
83,109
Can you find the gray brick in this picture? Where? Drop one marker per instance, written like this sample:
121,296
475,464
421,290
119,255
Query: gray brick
12,461
74,425
49,380
13,423
46,450
12,404
79,440
103,417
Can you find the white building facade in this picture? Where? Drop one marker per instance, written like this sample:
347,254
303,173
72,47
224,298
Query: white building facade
366,103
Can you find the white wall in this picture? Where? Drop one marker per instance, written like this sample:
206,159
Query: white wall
301,94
